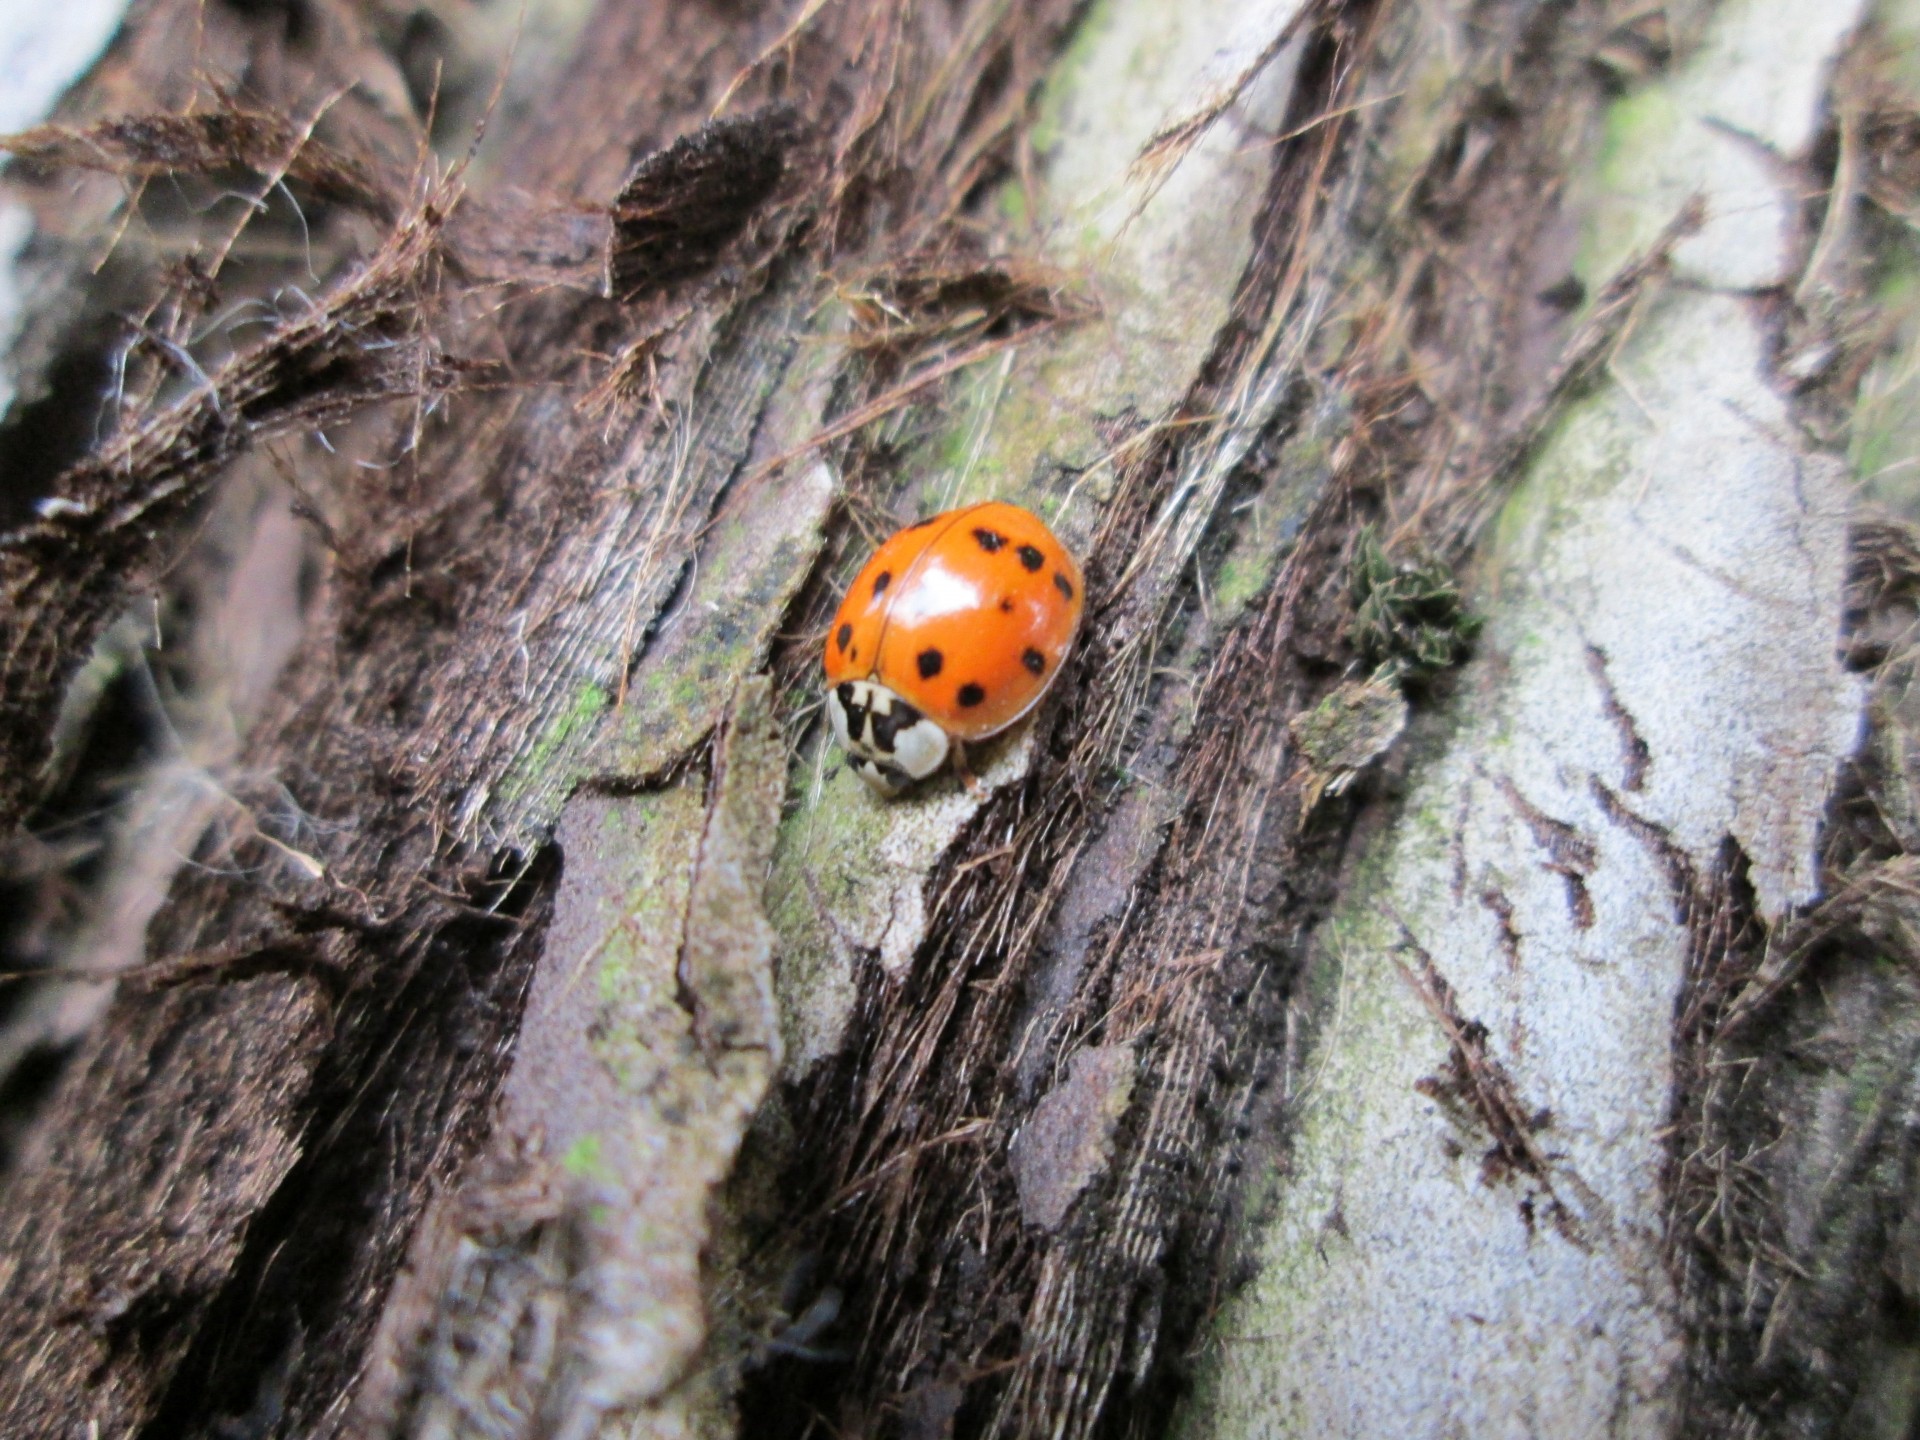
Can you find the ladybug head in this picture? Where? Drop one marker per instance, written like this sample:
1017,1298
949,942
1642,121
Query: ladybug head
889,743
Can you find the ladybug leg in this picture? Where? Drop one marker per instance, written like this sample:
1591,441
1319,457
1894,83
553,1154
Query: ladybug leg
976,787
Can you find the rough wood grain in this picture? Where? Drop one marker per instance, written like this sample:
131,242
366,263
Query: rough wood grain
1269,308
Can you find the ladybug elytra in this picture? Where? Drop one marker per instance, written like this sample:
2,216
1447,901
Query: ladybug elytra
952,631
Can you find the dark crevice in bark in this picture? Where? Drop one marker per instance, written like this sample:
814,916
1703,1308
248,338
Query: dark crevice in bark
327,1243
42,437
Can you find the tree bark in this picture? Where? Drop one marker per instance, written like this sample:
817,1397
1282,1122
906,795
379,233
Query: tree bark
1438,961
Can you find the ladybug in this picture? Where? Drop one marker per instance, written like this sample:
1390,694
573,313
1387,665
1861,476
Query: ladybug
953,630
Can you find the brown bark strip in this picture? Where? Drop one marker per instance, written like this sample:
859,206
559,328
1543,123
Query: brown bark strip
80,1305
148,146
1791,1180
678,210
488,567
64,576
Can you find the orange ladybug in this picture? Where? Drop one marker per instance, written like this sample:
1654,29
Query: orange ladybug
953,630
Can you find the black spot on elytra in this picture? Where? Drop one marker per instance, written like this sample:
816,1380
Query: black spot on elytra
929,662
1035,662
990,540
880,583
971,695
1063,585
1031,557
1006,604
902,717
845,634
